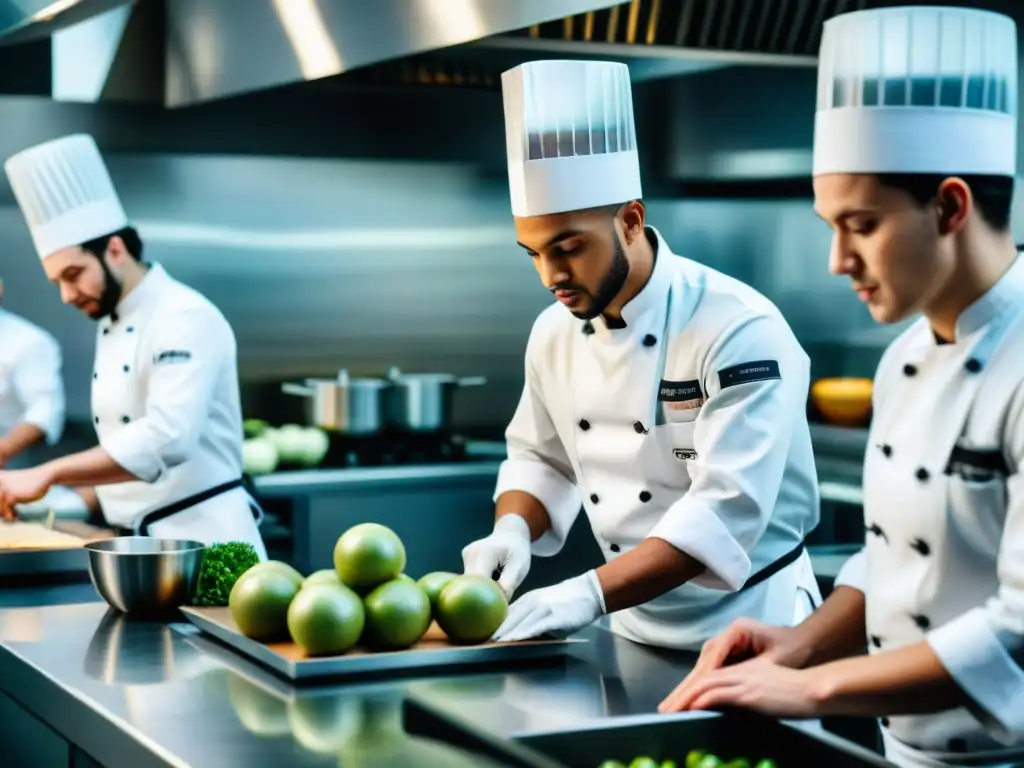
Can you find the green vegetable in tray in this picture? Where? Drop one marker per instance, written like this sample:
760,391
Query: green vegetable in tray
697,758
221,567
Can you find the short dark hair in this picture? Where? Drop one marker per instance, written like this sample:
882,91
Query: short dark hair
992,194
129,235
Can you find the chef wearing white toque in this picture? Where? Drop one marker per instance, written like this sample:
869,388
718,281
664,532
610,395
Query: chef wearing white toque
914,165
668,396
165,397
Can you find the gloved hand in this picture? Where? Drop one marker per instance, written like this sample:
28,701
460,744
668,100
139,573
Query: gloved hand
558,610
507,548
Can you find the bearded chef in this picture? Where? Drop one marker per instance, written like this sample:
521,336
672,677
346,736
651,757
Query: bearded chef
918,189
670,396
165,396
32,403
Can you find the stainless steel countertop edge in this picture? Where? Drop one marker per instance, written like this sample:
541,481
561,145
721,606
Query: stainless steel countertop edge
97,732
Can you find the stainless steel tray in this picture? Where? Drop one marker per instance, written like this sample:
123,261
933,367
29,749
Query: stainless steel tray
52,561
288,660
671,737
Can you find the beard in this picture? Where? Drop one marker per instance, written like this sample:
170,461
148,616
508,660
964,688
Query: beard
608,288
111,295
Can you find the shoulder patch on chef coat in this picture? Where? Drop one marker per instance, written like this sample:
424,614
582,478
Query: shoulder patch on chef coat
681,395
745,373
172,356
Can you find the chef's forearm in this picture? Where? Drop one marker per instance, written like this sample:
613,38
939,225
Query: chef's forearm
836,630
18,438
527,507
649,571
92,467
906,681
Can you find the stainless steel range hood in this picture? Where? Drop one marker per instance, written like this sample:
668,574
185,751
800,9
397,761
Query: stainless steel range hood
185,52
214,49
25,20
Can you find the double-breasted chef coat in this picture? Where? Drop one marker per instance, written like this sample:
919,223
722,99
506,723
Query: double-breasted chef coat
944,512
688,424
31,385
166,407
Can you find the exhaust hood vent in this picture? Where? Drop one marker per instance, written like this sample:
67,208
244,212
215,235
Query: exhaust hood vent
666,38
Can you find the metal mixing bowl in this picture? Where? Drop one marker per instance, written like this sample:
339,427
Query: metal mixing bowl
142,575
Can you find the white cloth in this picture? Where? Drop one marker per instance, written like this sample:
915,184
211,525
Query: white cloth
569,136
944,556
31,383
65,193
507,548
716,459
166,407
888,76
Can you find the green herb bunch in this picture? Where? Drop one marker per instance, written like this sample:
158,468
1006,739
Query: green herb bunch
221,567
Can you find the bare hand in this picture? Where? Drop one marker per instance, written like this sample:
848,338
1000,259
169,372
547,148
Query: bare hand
743,640
758,685
20,486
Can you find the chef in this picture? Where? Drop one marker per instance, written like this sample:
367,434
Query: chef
165,396
918,190
31,388
669,396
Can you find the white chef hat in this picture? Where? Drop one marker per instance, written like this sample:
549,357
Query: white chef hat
917,90
65,193
570,136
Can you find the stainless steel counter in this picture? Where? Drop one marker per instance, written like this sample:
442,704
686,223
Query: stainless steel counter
286,484
140,693
136,693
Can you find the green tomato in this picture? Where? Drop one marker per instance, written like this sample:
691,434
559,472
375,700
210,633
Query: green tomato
644,762
766,763
694,757
709,761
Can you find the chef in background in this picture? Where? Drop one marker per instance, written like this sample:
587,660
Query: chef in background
918,190
670,396
165,396
32,403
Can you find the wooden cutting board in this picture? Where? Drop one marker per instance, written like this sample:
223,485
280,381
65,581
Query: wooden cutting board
22,535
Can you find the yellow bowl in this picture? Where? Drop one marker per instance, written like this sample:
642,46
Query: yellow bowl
844,401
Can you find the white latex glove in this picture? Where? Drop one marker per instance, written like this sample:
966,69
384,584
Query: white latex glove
558,610
508,547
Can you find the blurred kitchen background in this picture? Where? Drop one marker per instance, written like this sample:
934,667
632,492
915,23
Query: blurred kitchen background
361,219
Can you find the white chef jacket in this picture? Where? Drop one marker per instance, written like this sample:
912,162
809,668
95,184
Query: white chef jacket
166,407
31,386
944,513
702,442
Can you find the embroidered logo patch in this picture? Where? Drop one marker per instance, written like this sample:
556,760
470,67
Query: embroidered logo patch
172,356
680,395
745,373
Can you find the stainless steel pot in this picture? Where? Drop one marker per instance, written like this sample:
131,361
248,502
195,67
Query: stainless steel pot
346,405
422,402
